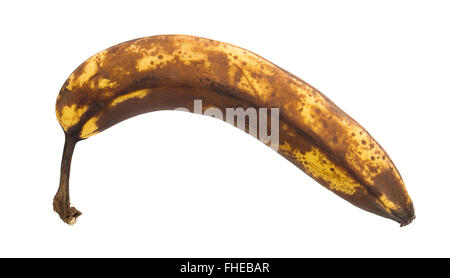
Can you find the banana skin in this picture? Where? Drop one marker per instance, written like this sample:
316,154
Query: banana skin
169,71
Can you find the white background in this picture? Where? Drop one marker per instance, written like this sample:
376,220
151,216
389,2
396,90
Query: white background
173,184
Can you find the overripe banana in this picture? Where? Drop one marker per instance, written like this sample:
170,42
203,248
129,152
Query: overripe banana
170,71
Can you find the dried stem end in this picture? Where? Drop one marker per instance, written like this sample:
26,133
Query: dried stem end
61,201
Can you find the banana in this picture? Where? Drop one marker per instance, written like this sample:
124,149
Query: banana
172,71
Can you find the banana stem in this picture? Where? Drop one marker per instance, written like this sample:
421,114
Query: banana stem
61,201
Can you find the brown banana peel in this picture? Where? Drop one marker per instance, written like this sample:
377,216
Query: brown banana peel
170,71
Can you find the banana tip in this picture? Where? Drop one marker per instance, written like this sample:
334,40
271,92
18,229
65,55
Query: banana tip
408,221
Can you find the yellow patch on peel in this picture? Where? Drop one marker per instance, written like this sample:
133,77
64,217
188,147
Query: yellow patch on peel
136,94
388,204
91,67
286,147
138,49
145,63
104,83
319,166
89,70
90,128
70,115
